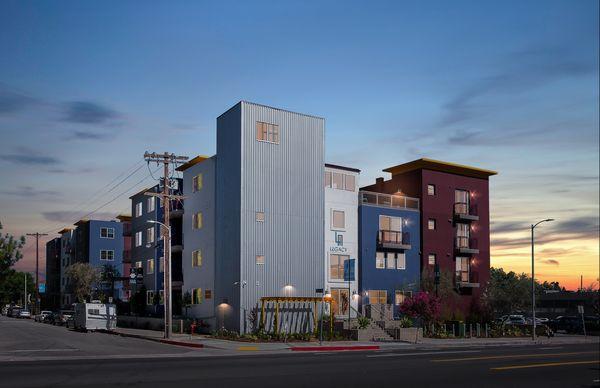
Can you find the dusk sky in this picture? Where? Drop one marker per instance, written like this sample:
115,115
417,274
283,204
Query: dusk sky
87,87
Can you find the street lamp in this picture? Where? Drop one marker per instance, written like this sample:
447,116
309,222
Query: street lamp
533,275
166,281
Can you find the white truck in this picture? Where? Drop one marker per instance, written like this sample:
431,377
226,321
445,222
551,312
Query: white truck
95,316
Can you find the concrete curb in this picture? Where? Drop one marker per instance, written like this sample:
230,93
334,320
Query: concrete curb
333,348
159,340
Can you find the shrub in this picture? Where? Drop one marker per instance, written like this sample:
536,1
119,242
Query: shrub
406,322
363,322
422,305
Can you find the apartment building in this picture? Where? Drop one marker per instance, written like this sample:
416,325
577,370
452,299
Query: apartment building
198,261
389,243
125,221
67,255
455,220
341,239
51,298
147,245
270,211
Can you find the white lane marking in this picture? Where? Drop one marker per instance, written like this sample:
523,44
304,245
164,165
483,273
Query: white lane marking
422,353
40,350
551,347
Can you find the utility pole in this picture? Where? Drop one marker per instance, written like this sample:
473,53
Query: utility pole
166,159
37,269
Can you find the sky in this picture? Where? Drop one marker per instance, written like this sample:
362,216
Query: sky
512,86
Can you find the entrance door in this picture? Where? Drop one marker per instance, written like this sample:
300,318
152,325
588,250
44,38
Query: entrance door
340,301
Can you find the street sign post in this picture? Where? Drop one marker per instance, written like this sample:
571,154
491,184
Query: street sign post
581,311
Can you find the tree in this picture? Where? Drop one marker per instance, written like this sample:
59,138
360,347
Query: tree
446,291
10,252
12,288
83,278
423,305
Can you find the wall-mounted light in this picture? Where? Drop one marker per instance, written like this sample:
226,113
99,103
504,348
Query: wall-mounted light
354,295
327,293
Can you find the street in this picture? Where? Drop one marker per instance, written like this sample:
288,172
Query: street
36,355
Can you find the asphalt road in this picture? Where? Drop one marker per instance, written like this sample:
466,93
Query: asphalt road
106,360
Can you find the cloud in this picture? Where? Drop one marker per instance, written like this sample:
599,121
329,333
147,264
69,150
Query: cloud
86,112
69,217
28,191
85,170
29,157
521,72
12,101
87,135
551,262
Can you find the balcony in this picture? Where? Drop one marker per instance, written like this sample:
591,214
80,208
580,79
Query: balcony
396,201
390,239
467,279
465,212
466,245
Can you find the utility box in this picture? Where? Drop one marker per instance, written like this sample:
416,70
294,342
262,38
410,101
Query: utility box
95,316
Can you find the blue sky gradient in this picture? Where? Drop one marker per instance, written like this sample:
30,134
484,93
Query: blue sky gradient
87,87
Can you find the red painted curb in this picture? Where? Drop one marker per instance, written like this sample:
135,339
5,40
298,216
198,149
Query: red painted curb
187,344
332,348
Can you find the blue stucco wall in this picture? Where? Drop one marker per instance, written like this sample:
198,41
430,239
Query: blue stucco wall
97,243
372,278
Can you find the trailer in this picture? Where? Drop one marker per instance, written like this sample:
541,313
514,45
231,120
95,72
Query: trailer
95,316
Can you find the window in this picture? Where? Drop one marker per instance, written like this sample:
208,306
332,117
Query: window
138,209
138,239
107,232
340,301
150,204
380,260
431,224
197,258
350,183
377,296
207,294
401,296
197,220
161,264
337,180
267,132
338,219
390,260
336,266
149,235
260,259
431,259
161,297
327,178
196,295
462,269
139,264
400,260
430,189
260,217
149,266
197,183
149,298
107,255
463,232
393,224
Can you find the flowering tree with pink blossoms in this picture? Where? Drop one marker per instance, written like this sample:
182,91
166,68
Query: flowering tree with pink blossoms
422,305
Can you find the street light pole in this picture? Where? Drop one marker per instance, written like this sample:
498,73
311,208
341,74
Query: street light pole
167,307
533,275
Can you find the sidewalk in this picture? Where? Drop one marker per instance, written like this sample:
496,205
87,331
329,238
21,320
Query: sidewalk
235,347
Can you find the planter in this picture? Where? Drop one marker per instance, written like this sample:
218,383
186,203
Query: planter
408,334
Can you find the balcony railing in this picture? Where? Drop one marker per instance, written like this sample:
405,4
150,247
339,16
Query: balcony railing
466,244
388,200
393,239
465,211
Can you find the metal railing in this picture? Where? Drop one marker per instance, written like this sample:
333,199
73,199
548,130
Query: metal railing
467,276
388,200
393,237
464,208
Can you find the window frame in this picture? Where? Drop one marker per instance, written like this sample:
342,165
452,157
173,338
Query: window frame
430,256
197,220
150,235
107,253
379,261
430,222
405,294
259,261
267,132
398,256
197,182
149,267
197,258
139,210
149,297
150,204
332,218
434,189
341,259
139,238
107,229
260,216
346,176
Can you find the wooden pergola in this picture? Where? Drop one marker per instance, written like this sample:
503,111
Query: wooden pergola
294,299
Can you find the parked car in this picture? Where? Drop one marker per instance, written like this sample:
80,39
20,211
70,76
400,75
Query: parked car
568,323
14,311
63,317
50,318
24,314
40,317
515,320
